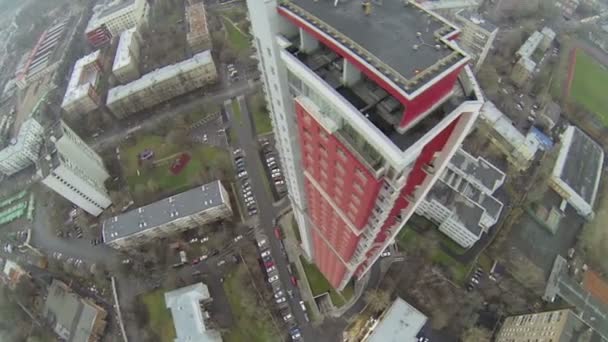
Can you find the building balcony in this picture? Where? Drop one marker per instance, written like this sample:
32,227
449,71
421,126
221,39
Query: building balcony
380,109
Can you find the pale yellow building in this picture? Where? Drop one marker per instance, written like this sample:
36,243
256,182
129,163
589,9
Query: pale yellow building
550,326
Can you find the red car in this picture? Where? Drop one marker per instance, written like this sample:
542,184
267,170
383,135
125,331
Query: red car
195,261
277,233
268,264
294,280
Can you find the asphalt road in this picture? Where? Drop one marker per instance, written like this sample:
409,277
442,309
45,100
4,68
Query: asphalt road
151,119
267,213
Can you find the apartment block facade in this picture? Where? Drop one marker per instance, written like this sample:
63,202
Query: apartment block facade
558,325
477,35
72,169
81,95
112,17
364,124
180,212
126,61
162,84
22,151
462,201
197,36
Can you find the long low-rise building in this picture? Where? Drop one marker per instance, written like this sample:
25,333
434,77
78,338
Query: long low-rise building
198,37
461,202
125,67
81,95
189,318
112,17
519,149
193,208
162,84
577,171
72,317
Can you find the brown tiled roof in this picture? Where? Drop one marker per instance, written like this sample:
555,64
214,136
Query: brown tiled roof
598,288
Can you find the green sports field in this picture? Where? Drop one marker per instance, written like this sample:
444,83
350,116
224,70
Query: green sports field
590,85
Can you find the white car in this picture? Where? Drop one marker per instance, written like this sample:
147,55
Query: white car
221,262
385,254
238,238
303,306
270,269
287,317
242,174
261,242
280,300
265,253
273,279
204,239
279,294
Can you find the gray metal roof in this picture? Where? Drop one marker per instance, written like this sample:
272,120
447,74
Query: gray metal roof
400,323
69,316
164,211
463,209
478,168
188,318
582,167
389,33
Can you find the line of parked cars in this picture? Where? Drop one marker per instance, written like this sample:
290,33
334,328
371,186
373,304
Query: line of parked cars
233,74
475,279
274,168
246,192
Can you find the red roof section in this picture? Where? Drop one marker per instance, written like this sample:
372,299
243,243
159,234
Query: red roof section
598,288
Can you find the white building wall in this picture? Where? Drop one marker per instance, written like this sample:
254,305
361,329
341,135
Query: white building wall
77,190
265,24
74,148
14,158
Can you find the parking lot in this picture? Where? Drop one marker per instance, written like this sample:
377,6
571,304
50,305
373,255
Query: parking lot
286,296
272,167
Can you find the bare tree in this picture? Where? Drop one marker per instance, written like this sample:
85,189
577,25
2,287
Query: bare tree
377,299
476,334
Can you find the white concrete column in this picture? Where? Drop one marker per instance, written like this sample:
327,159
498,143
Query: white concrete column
307,42
350,74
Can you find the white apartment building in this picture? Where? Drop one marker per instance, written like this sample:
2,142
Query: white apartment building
189,317
162,84
477,35
578,170
186,210
22,151
197,36
81,95
518,148
461,202
73,170
114,16
125,67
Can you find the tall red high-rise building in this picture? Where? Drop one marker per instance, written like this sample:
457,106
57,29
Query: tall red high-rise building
368,104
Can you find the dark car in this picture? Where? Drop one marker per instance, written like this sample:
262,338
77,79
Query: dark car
214,252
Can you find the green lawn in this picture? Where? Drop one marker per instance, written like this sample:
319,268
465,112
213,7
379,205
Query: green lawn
238,40
590,85
236,110
161,321
261,121
319,284
406,238
207,163
251,324
458,270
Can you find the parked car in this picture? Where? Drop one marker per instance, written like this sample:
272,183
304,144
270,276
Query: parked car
294,280
279,294
273,279
262,242
303,306
280,300
277,233
265,253
287,317
238,238
270,269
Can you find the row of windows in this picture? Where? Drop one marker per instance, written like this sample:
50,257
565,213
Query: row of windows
76,190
